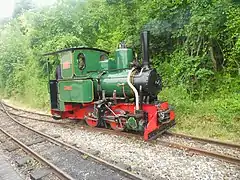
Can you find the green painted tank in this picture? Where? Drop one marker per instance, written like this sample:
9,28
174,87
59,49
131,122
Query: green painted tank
116,81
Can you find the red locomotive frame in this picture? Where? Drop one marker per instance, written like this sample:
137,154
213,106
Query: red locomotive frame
76,111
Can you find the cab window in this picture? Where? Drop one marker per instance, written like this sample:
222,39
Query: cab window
81,61
103,57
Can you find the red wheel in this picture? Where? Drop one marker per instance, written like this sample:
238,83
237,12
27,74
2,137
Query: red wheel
91,122
118,126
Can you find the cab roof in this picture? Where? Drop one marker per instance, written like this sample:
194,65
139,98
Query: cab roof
73,49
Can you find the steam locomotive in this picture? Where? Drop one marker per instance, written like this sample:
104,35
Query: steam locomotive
119,93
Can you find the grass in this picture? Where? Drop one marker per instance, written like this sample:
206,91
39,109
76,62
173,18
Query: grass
215,117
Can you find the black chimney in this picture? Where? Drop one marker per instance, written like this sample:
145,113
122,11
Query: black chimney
145,48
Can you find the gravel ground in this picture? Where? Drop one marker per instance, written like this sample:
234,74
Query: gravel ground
75,164
152,161
22,113
17,105
234,152
25,170
24,135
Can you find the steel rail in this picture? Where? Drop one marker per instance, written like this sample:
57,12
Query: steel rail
40,114
201,151
56,141
85,127
204,139
228,144
183,147
58,172
36,119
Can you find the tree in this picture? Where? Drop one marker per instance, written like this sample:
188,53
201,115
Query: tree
21,6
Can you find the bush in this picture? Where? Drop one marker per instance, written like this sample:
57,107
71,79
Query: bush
212,117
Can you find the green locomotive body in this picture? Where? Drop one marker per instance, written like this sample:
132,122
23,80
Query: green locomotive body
103,91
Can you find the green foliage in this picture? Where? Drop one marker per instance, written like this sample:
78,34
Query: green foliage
192,72
195,46
233,41
212,117
21,6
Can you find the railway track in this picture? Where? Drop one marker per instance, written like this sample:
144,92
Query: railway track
66,161
194,145
26,111
58,172
221,150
